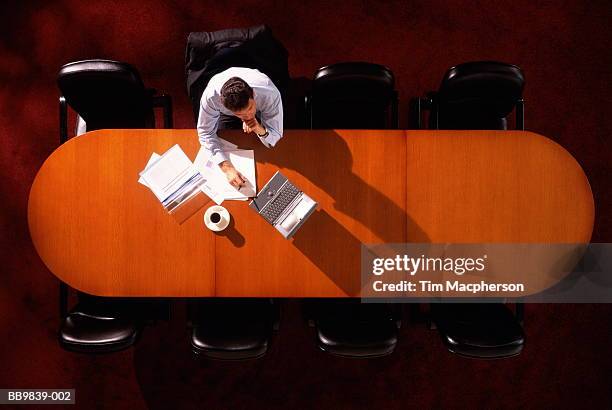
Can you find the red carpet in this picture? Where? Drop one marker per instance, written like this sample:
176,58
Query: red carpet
564,50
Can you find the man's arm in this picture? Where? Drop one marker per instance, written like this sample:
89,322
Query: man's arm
272,121
208,123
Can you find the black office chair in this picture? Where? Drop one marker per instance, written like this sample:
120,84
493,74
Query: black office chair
100,325
476,95
105,94
352,95
209,53
233,329
236,329
348,328
485,330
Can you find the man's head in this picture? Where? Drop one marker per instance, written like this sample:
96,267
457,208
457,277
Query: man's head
237,96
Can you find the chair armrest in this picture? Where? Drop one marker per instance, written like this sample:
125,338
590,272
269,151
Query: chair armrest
520,114
431,103
394,110
63,120
419,105
164,101
308,110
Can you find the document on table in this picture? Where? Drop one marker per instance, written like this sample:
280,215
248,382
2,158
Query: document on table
216,185
153,158
171,176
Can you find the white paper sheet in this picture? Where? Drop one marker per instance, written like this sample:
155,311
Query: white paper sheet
244,162
165,175
216,181
153,158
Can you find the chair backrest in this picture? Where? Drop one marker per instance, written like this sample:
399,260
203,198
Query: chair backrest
478,95
353,95
209,53
106,94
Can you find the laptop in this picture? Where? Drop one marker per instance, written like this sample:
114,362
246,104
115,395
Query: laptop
283,205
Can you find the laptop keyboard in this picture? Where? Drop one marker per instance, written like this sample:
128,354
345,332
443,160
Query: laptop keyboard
275,207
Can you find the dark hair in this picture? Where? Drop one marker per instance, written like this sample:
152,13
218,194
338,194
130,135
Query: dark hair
235,94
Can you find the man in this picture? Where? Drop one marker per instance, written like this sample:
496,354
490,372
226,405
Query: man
244,93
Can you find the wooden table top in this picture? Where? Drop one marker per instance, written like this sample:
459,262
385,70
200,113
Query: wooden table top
100,231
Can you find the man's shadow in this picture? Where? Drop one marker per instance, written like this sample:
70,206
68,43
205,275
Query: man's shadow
326,161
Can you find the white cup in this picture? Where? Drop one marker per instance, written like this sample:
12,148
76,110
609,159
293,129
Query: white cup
216,218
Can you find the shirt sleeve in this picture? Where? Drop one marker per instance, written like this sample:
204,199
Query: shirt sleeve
272,120
208,123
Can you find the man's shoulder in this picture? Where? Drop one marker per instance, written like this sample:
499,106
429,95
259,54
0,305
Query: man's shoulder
252,76
213,88
210,93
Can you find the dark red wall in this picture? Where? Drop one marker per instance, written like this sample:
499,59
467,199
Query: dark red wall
564,50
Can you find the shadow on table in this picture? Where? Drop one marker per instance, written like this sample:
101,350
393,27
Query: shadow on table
338,263
232,234
352,196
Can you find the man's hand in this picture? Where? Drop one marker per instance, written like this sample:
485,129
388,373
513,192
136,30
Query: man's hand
235,178
253,126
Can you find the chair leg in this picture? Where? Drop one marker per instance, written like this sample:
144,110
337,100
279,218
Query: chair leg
165,102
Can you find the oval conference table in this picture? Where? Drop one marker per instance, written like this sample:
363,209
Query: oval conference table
100,231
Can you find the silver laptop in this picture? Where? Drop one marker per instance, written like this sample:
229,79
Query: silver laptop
283,205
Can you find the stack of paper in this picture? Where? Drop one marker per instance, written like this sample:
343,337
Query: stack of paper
216,185
172,177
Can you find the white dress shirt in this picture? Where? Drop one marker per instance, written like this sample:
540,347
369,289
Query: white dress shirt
267,101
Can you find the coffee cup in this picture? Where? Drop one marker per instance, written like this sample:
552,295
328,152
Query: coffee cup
216,218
